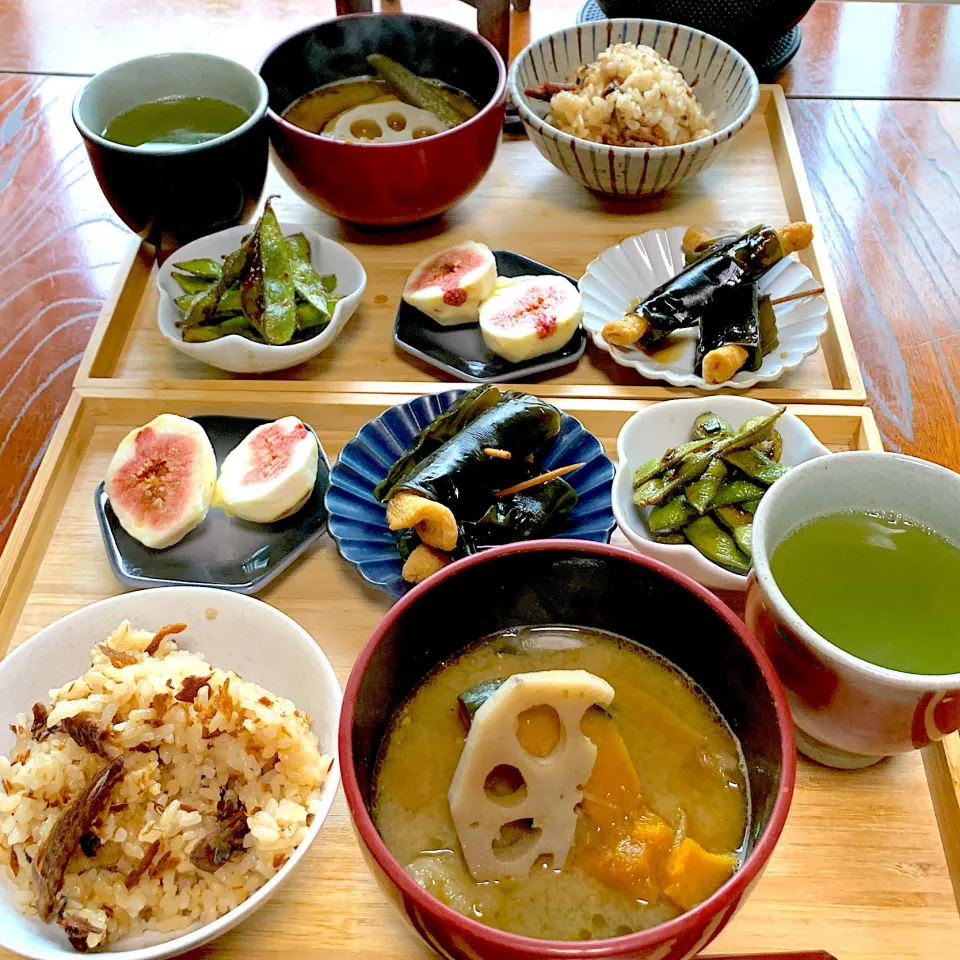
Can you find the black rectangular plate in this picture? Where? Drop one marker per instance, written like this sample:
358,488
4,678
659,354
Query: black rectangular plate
461,351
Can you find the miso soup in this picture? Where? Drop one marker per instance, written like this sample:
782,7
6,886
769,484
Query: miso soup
320,110
679,838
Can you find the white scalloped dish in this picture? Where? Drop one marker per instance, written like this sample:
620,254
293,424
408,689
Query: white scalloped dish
633,268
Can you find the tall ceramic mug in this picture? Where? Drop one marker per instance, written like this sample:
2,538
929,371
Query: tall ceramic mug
849,712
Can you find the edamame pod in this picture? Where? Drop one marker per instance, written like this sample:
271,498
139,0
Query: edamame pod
717,545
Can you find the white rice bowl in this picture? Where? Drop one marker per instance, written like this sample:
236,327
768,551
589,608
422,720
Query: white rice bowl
237,740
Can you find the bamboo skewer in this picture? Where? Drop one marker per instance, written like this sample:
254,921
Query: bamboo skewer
536,481
800,295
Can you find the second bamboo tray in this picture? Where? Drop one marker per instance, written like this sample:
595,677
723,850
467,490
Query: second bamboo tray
860,871
526,205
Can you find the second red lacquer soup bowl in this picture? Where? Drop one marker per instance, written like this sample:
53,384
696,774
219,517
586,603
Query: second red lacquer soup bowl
385,184
591,585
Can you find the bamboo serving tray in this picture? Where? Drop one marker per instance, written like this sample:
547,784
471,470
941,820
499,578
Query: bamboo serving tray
526,205
861,870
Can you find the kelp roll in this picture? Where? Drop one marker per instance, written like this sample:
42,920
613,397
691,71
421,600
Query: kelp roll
729,334
442,428
682,300
463,475
527,515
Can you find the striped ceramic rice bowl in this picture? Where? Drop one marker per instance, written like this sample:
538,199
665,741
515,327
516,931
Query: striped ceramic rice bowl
723,82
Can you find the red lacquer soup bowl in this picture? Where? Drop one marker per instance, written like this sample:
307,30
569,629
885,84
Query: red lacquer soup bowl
590,585
385,184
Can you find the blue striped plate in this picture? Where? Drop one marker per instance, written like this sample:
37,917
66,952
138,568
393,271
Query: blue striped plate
358,521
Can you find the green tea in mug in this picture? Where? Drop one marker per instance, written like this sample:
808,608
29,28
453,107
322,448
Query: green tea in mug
175,121
877,585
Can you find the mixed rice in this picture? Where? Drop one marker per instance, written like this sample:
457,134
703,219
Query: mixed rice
630,96
155,792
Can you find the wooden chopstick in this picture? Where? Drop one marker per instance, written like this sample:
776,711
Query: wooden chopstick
536,481
797,296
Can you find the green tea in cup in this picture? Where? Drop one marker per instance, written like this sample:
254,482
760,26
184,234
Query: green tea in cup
877,585
176,121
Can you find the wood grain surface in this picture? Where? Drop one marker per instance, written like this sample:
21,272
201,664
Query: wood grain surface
859,870
60,245
884,177
848,49
524,204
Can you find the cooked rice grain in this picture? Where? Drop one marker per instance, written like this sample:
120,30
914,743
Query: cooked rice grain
631,96
180,758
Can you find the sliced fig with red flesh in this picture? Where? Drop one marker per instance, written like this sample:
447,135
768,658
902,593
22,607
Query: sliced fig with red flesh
449,286
161,479
526,317
270,474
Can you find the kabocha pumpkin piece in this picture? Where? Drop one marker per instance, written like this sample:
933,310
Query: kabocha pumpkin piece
435,523
629,857
691,874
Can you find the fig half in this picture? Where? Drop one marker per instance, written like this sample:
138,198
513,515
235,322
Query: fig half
160,480
449,286
270,474
529,316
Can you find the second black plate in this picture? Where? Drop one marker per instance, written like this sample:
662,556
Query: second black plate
223,551
461,350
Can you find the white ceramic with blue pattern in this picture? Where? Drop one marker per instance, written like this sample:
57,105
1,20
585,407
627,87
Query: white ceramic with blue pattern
727,87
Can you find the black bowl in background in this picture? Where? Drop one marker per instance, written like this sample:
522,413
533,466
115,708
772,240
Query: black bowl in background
172,195
750,26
